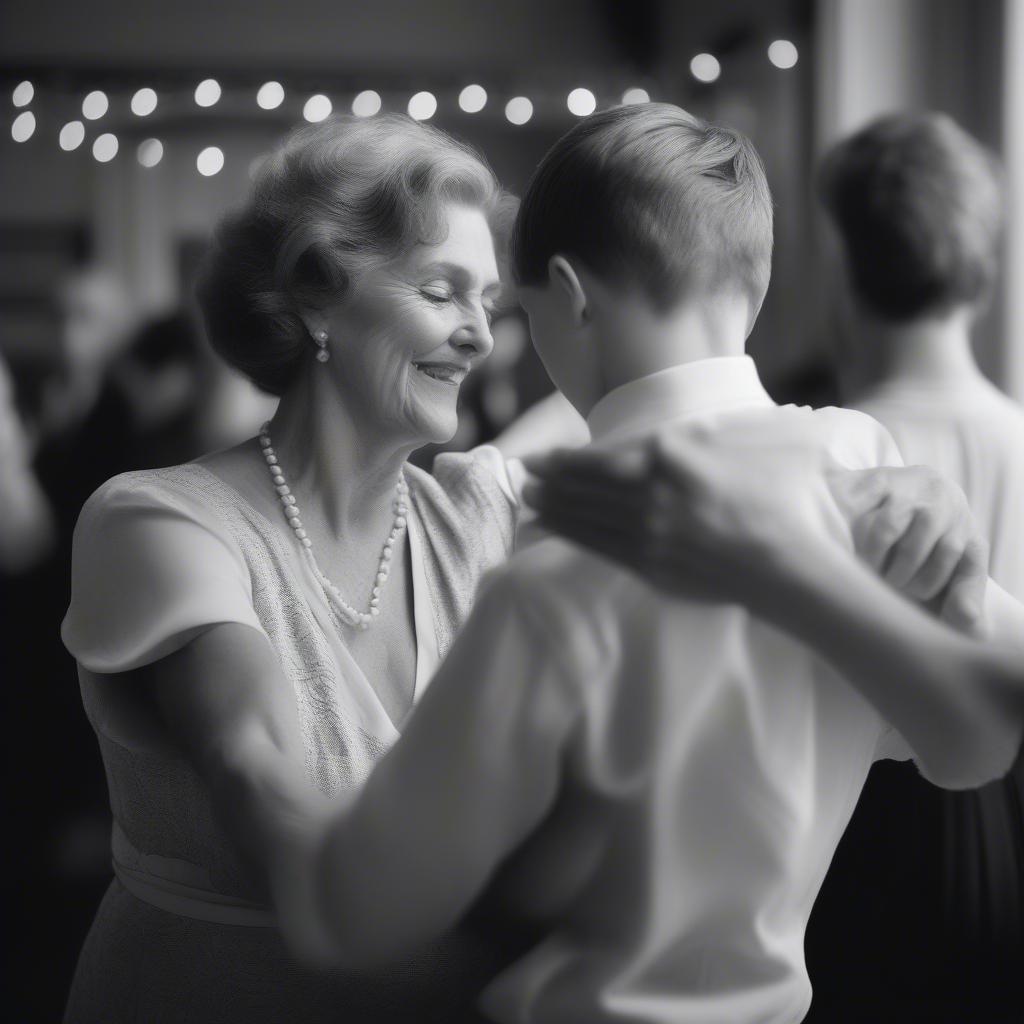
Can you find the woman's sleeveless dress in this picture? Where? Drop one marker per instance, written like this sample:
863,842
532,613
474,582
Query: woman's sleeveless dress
184,932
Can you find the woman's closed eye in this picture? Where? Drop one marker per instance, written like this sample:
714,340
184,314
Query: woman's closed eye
437,293
440,295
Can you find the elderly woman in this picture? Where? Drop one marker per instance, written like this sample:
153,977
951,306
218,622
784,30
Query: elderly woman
297,590
253,629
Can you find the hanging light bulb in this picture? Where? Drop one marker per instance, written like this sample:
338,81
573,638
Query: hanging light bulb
24,126
422,106
581,102
783,54
705,68
317,108
270,96
635,95
207,92
144,102
23,93
518,110
104,149
366,104
150,152
95,105
473,99
210,161
72,135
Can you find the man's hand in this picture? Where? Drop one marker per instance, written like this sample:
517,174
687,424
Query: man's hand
729,515
914,527
691,511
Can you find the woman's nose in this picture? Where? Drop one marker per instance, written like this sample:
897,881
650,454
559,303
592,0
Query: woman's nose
475,337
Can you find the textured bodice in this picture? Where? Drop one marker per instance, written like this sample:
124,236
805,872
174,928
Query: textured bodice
463,518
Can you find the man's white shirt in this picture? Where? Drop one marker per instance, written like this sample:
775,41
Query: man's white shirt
674,776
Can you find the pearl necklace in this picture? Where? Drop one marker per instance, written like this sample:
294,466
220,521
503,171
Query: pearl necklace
346,612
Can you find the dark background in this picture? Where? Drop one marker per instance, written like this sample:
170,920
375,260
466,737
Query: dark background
882,946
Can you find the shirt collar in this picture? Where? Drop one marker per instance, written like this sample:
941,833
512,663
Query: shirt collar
704,386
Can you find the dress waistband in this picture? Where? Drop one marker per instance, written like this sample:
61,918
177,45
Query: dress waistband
178,897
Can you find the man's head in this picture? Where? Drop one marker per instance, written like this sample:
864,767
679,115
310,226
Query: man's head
917,206
639,207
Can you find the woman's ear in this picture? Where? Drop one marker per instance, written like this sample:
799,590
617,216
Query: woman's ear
315,321
567,284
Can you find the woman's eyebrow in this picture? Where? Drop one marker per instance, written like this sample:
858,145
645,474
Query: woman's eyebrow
457,273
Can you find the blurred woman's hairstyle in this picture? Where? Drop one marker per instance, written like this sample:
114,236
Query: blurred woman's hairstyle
683,204
332,201
918,204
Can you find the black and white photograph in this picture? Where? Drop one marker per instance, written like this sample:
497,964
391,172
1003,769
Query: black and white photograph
512,511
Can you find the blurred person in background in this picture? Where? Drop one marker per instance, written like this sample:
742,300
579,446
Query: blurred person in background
26,528
83,424
917,206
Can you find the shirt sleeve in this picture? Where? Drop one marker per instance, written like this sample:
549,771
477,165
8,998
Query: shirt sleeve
485,483
150,570
476,770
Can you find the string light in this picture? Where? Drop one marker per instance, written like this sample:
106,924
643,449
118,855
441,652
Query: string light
270,96
518,110
150,152
581,102
23,93
95,105
24,126
422,106
316,108
104,149
783,54
366,104
72,135
207,92
635,95
210,161
144,102
473,99
705,67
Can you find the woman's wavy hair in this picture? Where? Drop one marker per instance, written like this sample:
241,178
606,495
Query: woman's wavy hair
332,201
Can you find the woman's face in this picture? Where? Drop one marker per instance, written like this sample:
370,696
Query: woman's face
406,336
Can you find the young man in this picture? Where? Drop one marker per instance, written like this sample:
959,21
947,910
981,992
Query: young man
662,782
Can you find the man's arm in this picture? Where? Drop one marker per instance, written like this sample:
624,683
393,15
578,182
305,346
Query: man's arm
474,773
755,523
958,702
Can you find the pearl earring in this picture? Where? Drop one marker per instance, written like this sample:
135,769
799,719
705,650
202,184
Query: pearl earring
321,339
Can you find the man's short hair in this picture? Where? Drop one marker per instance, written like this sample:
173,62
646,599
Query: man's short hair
654,197
918,205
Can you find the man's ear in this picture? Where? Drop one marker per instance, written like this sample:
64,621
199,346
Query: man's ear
566,282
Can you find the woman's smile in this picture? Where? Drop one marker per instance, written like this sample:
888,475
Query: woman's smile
447,373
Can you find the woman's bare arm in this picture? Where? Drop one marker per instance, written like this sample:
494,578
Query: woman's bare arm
231,711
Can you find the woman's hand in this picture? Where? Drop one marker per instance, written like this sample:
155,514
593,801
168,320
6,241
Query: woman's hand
737,514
